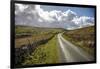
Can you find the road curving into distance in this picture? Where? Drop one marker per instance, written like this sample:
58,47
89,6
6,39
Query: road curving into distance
71,53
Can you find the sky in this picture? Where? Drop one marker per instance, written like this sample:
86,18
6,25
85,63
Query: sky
79,10
53,16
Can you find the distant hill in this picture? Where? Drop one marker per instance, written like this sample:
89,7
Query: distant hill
86,30
19,29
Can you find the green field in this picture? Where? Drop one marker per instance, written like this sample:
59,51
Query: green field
44,50
25,34
44,54
84,38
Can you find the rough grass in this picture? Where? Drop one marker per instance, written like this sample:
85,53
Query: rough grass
83,38
26,40
44,54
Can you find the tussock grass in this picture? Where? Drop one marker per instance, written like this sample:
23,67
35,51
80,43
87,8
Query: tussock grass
84,38
44,54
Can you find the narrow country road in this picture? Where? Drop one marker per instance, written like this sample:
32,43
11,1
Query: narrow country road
70,52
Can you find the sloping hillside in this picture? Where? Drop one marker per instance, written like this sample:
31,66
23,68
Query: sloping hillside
84,38
27,34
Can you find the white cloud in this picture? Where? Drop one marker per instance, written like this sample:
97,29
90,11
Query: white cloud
20,7
84,21
69,15
34,15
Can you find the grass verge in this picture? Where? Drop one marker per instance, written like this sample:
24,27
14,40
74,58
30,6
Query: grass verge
44,54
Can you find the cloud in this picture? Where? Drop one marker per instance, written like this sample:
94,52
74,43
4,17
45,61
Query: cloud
26,15
69,15
84,21
34,15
